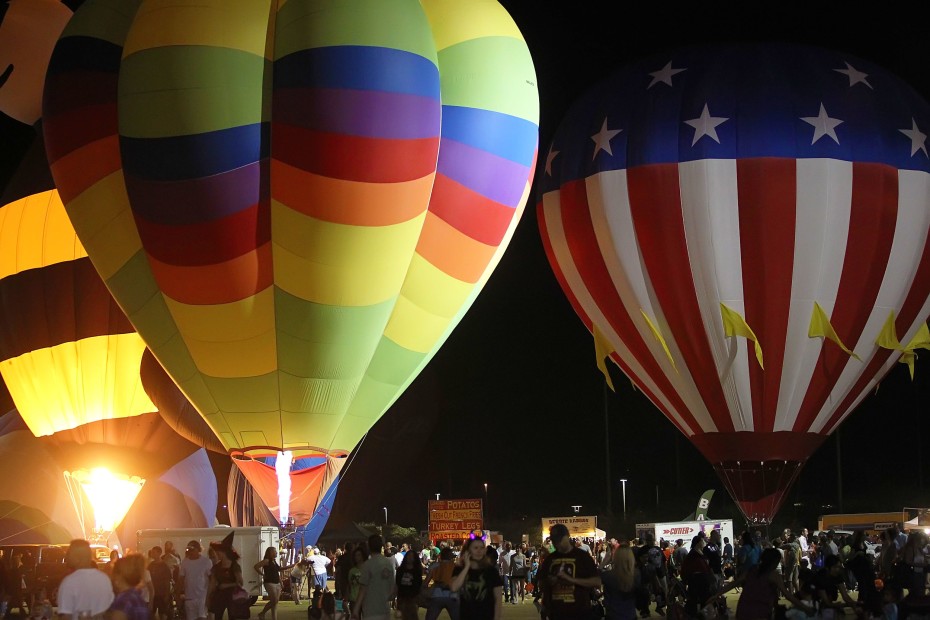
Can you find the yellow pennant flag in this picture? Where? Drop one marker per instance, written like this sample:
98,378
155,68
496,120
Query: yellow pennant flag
820,327
921,340
735,325
658,336
602,350
888,337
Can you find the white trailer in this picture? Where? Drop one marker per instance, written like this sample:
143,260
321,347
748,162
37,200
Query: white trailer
686,530
249,542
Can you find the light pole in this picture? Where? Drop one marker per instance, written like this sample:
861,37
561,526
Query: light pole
385,516
623,482
576,508
437,497
485,513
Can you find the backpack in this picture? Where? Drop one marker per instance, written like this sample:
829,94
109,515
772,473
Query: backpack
656,559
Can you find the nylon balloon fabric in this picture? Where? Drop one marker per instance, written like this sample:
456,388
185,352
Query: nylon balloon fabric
294,202
747,226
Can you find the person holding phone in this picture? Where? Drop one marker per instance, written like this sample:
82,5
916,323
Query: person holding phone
478,582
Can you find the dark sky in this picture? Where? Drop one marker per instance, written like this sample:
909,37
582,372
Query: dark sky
514,399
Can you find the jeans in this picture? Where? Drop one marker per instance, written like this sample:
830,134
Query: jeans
438,603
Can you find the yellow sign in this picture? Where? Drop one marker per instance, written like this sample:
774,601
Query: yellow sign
578,527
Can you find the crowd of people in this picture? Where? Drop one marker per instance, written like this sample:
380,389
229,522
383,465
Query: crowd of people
820,576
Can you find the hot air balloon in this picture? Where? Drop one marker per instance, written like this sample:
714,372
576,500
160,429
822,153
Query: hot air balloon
36,508
28,32
181,497
294,203
744,229
70,360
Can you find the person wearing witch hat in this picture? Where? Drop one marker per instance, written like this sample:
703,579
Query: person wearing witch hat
225,578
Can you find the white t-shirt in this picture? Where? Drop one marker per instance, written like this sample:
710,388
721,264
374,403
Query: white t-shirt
196,575
86,589
398,558
319,562
378,578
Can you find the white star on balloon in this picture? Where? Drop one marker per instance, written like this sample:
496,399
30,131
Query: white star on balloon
664,75
917,137
855,76
823,125
549,158
602,139
706,125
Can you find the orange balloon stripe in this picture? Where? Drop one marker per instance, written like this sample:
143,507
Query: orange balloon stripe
221,283
82,168
456,254
348,202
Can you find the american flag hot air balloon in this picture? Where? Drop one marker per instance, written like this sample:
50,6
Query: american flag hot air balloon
745,230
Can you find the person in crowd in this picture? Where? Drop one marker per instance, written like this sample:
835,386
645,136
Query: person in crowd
225,577
697,577
86,589
328,606
409,580
108,567
503,563
318,564
128,604
727,552
518,571
297,572
749,554
803,542
888,556
653,571
270,571
172,559
341,574
791,554
193,581
914,555
679,553
830,583
439,577
762,584
478,581
565,577
620,583
861,568
161,584
377,587
353,581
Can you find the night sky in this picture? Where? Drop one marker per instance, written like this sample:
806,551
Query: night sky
514,398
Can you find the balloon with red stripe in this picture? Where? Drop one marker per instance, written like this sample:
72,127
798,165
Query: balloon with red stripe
747,226
294,202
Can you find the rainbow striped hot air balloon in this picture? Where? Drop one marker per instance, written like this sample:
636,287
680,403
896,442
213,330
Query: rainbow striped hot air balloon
295,202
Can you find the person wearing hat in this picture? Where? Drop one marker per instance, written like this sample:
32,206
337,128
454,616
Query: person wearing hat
225,578
318,563
193,581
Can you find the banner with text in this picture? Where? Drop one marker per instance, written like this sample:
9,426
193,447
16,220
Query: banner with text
454,519
578,527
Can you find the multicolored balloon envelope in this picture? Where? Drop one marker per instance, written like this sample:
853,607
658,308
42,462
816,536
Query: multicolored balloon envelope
294,202
745,230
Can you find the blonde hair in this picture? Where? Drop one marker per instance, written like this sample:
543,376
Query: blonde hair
624,566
